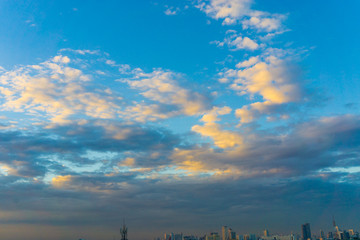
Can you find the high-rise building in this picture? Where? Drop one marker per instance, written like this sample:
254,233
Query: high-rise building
225,233
293,237
322,235
231,234
266,233
213,236
178,236
306,232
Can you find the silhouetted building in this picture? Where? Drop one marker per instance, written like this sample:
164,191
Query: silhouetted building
306,232
225,233
322,235
231,234
213,236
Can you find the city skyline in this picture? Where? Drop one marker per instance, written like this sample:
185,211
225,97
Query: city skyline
305,234
178,116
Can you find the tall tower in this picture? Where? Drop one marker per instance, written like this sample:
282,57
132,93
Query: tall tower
266,233
123,232
225,233
306,232
337,230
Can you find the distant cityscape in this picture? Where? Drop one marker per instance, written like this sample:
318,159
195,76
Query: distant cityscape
227,233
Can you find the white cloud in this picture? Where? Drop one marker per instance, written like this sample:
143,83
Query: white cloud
240,12
171,10
162,87
81,51
59,91
229,10
269,77
249,113
55,90
61,59
236,42
264,21
248,63
142,112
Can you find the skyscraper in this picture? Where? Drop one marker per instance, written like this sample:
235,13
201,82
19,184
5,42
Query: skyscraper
231,234
306,232
225,233
266,233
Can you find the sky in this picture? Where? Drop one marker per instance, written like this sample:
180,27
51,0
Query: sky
178,116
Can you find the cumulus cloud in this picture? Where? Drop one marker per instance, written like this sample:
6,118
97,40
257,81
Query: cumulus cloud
248,63
229,10
61,89
162,87
222,138
263,21
236,42
239,11
272,78
55,90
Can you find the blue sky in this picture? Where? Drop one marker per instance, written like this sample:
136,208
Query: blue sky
177,116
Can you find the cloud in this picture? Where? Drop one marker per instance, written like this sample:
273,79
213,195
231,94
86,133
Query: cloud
263,21
240,12
236,42
248,63
222,138
229,10
274,79
162,87
60,181
171,10
309,150
55,90
141,112
81,51
63,88
156,176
